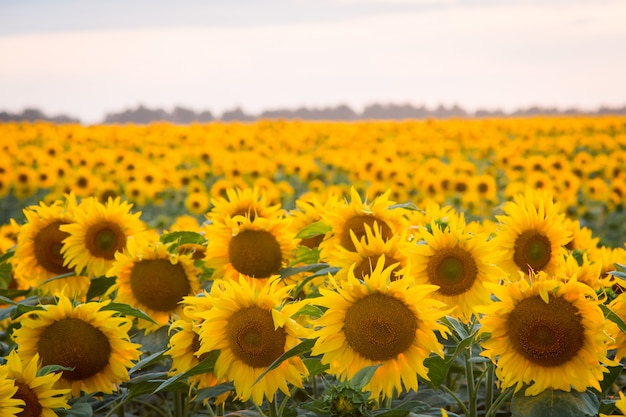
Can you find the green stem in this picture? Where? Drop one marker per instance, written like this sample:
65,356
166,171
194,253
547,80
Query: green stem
151,406
456,398
493,409
489,383
178,406
471,389
219,409
272,407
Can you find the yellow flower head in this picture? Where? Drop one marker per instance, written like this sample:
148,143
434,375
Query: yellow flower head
252,327
378,321
153,280
38,392
97,233
532,235
547,334
87,337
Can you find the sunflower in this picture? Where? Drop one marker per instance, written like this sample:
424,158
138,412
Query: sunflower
197,203
378,321
256,248
249,202
38,392
345,217
9,404
459,263
531,235
546,335
252,328
618,306
369,250
153,280
38,254
98,232
85,337
182,347
580,266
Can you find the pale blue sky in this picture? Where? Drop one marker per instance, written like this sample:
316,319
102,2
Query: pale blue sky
87,58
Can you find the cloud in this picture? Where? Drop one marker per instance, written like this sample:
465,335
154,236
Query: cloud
497,56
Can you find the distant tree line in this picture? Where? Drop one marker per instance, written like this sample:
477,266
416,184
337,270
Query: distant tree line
180,115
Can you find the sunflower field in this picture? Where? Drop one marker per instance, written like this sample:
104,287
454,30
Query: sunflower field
288,268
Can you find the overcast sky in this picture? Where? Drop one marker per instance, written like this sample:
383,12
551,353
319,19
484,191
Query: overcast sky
87,58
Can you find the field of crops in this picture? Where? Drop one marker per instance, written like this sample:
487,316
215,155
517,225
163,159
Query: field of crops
289,268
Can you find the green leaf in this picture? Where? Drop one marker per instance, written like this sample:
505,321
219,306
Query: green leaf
314,229
437,370
315,366
298,349
58,277
182,238
214,391
44,370
364,376
99,286
409,206
391,413
148,360
609,379
310,310
21,309
5,274
454,324
610,315
205,366
5,300
11,294
80,410
555,403
7,255
306,255
618,274
127,310
289,271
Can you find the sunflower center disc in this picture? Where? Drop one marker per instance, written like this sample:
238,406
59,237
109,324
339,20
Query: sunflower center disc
367,265
546,334
48,243
357,225
76,344
532,250
104,239
379,327
158,284
253,339
453,269
255,253
32,407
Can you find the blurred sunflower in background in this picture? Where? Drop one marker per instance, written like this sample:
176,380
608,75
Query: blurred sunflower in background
97,233
37,391
86,337
153,280
531,235
38,257
249,202
548,334
378,321
252,328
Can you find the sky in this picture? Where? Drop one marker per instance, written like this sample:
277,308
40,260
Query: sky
88,58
